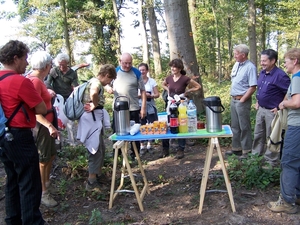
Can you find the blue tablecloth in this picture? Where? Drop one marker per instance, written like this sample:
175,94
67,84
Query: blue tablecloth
226,132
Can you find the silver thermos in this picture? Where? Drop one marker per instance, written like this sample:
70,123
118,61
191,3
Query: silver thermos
121,116
213,109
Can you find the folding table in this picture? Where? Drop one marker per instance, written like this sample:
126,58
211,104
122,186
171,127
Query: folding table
122,143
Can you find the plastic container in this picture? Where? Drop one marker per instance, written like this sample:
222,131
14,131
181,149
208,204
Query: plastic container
174,124
182,117
192,117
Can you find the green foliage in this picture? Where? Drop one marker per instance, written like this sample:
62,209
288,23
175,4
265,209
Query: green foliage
250,173
96,217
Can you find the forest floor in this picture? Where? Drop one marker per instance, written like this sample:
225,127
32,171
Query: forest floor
174,195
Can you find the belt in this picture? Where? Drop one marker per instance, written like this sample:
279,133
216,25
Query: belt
19,128
266,108
237,97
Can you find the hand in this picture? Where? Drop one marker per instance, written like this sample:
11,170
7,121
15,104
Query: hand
52,93
88,107
143,113
53,131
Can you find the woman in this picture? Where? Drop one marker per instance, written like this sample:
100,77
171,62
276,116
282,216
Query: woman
151,93
290,161
177,83
46,133
91,123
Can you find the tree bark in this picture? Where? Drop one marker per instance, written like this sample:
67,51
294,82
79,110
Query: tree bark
145,48
192,9
154,37
181,41
66,30
116,29
252,31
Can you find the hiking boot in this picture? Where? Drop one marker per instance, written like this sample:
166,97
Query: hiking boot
102,179
164,153
282,206
92,186
179,154
233,152
47,200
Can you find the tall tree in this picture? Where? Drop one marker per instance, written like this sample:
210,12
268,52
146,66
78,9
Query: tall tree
154,37
181,40
252,31
144,36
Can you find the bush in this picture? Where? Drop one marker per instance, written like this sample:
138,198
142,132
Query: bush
251,172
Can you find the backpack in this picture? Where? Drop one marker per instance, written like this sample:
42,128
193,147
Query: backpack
3,120
74,108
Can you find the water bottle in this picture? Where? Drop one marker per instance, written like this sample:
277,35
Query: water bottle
174,125
192,117
182,117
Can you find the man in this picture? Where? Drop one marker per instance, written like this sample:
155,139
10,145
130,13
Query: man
127,83
20,156
62,80
243,85
92,121
272,86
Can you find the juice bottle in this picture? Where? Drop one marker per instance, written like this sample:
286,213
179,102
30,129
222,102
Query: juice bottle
182,117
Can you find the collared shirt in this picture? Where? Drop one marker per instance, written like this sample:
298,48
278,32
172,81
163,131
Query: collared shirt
272,87
243,76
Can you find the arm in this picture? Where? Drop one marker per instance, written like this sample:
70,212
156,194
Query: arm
165,86
144,104
248,93
194,86
42,120
155,92
40,108
293,103
94,95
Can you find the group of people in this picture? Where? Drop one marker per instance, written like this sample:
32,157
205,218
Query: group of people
274,91
28,158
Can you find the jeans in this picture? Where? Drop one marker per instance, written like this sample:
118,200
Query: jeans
23,183
290,165
166,144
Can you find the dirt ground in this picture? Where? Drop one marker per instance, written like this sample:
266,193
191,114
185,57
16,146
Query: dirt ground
173,199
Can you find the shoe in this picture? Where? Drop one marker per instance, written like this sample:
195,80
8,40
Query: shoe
180,154
102,179
165,153
142,150
92,186
48,201
148,146
297,202
190,142
282,206
243,156
237,153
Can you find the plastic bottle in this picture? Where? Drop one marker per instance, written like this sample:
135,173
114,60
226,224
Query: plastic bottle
174,125
182,117
192,117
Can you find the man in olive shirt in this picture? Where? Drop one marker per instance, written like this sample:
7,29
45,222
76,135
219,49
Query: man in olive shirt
62,80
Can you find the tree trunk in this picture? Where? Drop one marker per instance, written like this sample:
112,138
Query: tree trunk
192,9
155,39
66,31
181,41
117,30
143,33
252,31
